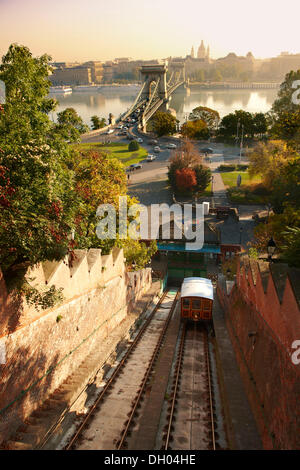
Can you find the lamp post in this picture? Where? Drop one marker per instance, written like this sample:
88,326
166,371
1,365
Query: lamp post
237,131
241,146
241,232
271,247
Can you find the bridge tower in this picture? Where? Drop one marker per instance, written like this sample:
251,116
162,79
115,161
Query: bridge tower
153,73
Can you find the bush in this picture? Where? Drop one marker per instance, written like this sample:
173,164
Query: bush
226,168
133,146
232,167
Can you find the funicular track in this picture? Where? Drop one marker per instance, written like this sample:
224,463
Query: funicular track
200,411
79,437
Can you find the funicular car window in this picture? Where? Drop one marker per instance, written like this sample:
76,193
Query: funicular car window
196,304
206,305
186,303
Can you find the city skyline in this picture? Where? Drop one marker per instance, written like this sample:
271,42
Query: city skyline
71,31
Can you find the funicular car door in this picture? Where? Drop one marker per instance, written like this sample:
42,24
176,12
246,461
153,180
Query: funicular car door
196,308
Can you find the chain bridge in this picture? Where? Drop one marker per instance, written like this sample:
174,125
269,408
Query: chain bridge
158,83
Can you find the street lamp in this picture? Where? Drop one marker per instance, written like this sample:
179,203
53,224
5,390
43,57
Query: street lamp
241,146
271,247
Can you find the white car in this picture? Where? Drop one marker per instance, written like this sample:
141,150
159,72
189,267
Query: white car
171,146
156,149
150,158
110,131
139,140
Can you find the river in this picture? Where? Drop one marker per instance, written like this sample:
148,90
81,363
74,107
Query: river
118,100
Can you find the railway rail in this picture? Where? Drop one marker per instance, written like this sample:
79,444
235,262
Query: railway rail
206,414
90,416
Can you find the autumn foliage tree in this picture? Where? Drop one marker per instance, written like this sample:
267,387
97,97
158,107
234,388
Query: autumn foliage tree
186,179
198,176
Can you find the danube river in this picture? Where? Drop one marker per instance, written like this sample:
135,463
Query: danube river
116,100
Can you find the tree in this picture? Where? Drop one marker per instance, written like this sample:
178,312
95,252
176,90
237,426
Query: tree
234,122
138,253
163,123
281,228
287,127
268,160
98,123
208,115
203,177
24,115
36,186
133,146
286,187
285,102
70,125
186,156
185,179
259,124
291,246
196,129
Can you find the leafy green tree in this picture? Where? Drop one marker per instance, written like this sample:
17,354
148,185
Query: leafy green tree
38,202
208,115
286,186
70,125
24,117
203,177
269,159
137,253
260,126
291,246
133,146
195,129
98,123
163,123
281,228
284,102
287,127
234,122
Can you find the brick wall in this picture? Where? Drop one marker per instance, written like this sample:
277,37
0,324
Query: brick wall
44,348
262,327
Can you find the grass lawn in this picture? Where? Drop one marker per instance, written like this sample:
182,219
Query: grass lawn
207,192
116,150
251,190
229,178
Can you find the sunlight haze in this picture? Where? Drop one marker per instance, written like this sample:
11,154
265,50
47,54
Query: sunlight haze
73,30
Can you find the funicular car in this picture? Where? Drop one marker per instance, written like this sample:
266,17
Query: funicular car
197,297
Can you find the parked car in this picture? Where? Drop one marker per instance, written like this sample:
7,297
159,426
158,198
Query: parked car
150,158
156,149
171,146
135,166
110,131
139,140
153,142
207,150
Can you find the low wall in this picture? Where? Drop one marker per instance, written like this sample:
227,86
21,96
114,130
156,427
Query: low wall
44,348
271,380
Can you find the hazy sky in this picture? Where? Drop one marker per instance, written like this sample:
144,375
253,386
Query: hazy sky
102,30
